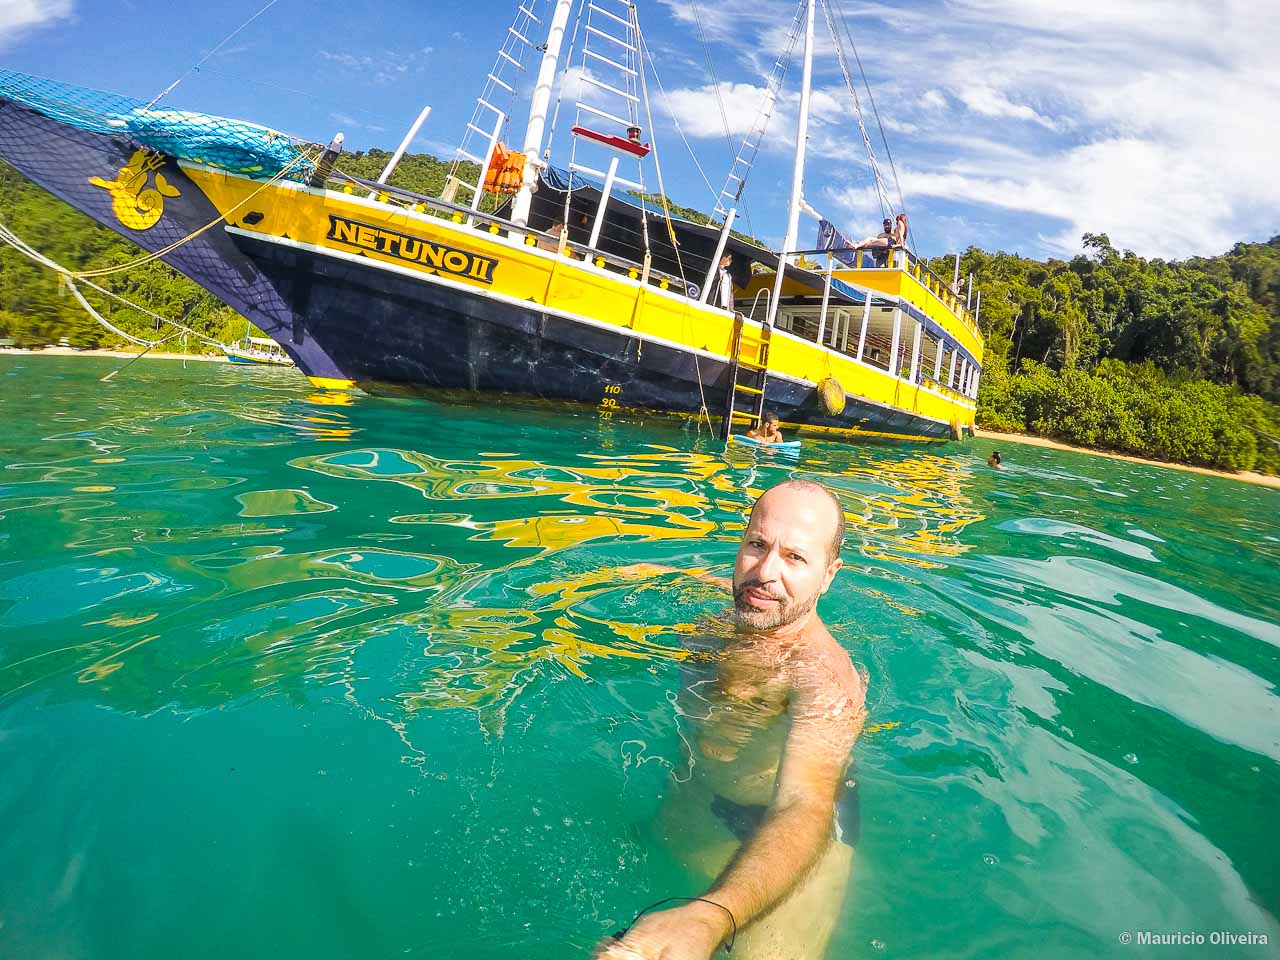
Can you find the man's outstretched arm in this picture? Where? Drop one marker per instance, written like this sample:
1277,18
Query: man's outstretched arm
793,836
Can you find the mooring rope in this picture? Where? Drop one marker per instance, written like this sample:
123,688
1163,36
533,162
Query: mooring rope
10,238
662,194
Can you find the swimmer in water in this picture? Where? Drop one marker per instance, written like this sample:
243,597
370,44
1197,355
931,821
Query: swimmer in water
773,709
768,431
994,461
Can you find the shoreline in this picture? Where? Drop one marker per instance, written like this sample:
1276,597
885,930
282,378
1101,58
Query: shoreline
1247,476
1027,439
118,354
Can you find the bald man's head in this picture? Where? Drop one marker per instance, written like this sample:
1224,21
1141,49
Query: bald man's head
809,488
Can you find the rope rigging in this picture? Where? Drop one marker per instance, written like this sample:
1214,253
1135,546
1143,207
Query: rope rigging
709,63
662,193
199,63
747,153
848,34
69,278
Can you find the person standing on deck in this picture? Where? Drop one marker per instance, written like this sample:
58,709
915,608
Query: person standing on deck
775,715
724,282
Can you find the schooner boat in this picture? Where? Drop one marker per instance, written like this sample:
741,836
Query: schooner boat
568,282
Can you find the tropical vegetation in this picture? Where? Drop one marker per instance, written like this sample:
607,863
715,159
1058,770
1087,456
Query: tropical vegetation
1170,360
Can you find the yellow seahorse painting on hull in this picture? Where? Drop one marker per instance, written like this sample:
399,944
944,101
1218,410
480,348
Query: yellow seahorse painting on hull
136,205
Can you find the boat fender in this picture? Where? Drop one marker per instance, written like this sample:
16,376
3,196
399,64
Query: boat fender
831,396
956,432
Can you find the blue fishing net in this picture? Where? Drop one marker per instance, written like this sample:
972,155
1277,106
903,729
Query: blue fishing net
220,142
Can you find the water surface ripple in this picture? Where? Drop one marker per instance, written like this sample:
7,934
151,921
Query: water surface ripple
287,674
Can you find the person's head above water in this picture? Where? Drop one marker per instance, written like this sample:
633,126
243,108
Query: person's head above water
770,417
789,554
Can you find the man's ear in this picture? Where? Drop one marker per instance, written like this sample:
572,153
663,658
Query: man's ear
832,567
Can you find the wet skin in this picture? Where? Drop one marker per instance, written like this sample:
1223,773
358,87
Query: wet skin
772,723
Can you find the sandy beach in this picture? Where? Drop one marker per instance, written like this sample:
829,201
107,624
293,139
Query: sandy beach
1261,479
121,354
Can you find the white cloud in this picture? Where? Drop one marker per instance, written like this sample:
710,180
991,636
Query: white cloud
19,16
1154,121
387,67
990,102
699,110
932,100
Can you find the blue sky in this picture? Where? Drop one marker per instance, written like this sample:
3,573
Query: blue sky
1015,124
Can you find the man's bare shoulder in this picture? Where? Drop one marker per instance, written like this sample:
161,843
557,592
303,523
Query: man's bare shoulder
827,669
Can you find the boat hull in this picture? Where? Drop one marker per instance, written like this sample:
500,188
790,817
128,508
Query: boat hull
398,334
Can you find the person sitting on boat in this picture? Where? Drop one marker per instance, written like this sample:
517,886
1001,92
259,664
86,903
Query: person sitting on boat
768,431
900,231
724,290
772,707
552,243
880,244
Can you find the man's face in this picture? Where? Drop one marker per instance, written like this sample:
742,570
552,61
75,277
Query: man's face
782,567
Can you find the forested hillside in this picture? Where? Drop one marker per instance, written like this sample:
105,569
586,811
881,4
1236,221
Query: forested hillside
1173,360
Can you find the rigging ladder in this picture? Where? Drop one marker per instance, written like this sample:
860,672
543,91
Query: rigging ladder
736,179
500,84
750,361
606,125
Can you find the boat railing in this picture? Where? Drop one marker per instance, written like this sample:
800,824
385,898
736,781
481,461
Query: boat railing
909,263
904,354
496,225
762,292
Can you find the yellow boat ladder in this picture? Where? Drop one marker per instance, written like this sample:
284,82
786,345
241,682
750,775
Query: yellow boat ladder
748,376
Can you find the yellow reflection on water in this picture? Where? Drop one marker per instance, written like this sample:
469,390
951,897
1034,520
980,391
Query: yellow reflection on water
908,511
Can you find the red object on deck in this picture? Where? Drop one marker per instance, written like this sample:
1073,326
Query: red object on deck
632,147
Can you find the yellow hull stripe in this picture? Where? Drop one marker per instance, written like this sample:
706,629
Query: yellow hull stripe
332,383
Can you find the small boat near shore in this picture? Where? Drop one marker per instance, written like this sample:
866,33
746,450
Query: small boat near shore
569,281
257,350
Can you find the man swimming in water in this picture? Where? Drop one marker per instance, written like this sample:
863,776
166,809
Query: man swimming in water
775,714
767,431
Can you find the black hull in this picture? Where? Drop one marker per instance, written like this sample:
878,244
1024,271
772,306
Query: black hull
355,321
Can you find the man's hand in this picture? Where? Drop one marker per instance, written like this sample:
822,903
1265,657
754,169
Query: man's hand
690,932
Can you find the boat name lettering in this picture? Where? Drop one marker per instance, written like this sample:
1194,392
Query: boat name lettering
411,249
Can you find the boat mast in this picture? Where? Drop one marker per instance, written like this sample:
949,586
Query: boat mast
797,177
538,105
802,134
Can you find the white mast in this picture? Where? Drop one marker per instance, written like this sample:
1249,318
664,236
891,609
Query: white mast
538,104
802,136
797,178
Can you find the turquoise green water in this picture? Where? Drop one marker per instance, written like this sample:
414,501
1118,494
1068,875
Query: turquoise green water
286,678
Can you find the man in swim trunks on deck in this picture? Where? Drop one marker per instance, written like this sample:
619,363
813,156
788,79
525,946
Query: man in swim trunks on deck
774,711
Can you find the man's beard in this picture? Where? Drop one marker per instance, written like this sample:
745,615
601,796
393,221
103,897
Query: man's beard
784,611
